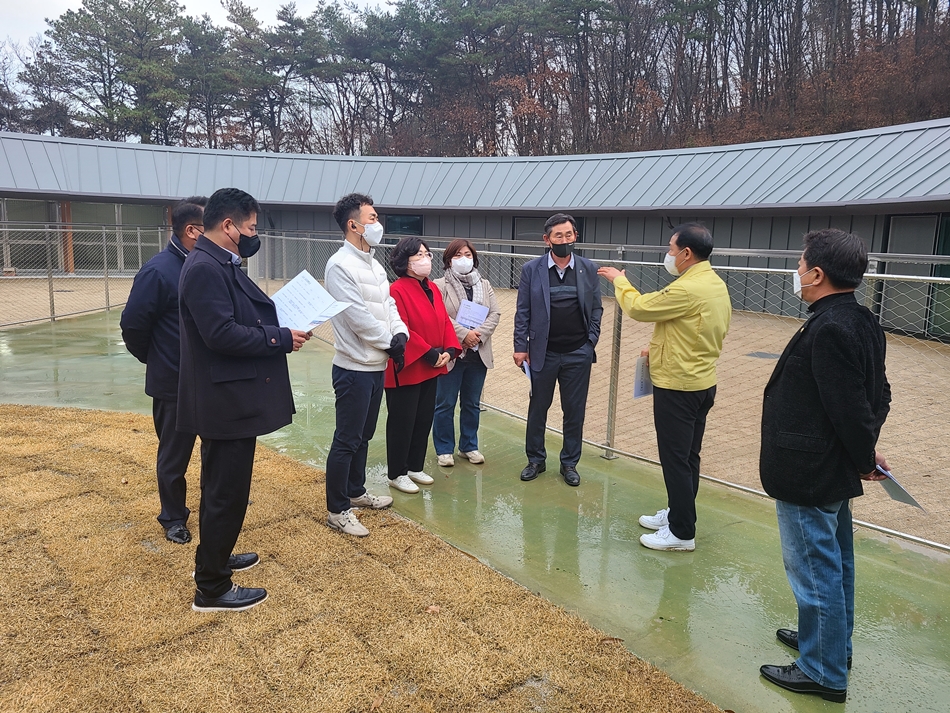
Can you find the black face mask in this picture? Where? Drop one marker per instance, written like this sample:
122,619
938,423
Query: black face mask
562,249
248,245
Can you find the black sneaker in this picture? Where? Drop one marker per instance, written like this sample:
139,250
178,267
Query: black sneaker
178,534
237,599
239,563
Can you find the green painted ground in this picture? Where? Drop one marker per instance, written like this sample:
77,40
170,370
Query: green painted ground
707,618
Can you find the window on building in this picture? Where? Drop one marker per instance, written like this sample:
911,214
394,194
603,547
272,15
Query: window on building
404,224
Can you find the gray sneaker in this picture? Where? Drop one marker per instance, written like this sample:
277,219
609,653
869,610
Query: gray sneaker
374,502
346,522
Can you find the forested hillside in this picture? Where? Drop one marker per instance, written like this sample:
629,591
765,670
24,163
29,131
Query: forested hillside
480,77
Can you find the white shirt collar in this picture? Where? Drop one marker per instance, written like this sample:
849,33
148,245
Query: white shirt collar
553,264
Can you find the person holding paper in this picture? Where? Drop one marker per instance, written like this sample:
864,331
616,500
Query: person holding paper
557,325
233,386
365,335
150,331
824,407
691,317
410,391
472,307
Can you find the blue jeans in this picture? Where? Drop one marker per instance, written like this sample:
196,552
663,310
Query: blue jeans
818,552
462,385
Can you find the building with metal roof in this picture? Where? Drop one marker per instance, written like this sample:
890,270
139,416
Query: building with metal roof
891,185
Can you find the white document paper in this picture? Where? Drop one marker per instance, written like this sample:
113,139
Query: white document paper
303,303
896,490
642,386
471,314
526,368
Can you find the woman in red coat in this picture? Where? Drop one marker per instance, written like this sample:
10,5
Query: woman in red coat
410,393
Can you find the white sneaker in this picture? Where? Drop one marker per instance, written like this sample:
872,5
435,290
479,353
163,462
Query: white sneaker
655,522
404,484
368,500
663,539
346,522
446,460
473,456
420,477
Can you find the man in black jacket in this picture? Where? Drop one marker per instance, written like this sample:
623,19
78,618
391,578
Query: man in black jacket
150,330
824,407
234,385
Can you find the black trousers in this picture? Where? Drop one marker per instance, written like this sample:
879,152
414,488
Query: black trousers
680,421
225,487
358,397
408,423
571,372
174,452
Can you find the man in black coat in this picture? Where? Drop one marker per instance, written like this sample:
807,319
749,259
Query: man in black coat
824,407
233,386
557,325
150,330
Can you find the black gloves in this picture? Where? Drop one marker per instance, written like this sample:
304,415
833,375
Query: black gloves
397,347
397,351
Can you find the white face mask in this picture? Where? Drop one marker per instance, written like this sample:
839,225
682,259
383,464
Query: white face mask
421,267
669,262
797,284
462,265
372,233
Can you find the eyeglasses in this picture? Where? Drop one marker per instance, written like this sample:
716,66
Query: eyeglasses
196,225
422,256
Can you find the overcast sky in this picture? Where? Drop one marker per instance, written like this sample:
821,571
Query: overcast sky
23,20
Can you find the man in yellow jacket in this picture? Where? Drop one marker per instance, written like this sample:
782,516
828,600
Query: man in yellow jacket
692,316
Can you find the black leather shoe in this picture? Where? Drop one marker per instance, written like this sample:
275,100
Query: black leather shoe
789,637
532,470
237,599
571,476
238,563
791,678
178,534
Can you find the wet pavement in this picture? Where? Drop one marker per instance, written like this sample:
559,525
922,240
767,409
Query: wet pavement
707,617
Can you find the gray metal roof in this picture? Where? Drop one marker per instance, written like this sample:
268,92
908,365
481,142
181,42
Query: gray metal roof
906,164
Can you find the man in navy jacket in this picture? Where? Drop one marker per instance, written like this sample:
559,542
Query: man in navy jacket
150,330
557,325
234,386
824,407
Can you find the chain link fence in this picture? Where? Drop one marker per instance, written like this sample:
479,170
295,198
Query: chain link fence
58,271
53,272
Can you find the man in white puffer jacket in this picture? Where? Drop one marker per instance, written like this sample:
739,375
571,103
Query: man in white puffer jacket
366,334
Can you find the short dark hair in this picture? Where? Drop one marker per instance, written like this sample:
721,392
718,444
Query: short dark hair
403,250
348,208
454,248
842,256
230,203
557,219
189,211
696,237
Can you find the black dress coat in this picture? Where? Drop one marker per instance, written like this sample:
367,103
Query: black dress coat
824,406
233,380
150,320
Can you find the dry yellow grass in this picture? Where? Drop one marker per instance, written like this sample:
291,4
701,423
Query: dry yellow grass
95,604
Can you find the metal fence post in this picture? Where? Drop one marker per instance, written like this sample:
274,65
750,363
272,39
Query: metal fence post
49,275
614,381
105,266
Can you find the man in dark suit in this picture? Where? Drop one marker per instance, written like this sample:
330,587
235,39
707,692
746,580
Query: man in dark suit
824,407
234,385
150,331
557,325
